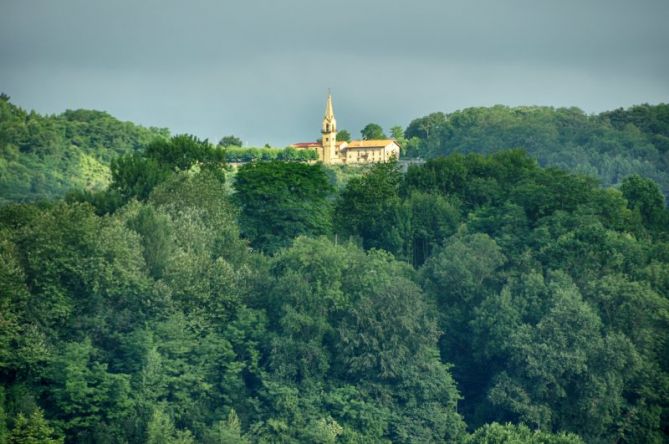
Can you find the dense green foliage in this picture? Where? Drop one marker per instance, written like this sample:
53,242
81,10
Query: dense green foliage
372,131
46,156
280,201
228,141
156,325
134,176
486,290
237,154
473,299
535,288
518,434
611,145
343,135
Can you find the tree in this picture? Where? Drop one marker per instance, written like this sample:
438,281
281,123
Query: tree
231,140
297,155
161,430
33,430
343,136
456,278
183,151
432,219
136,175
88,398
426,126
370,207
352,324
372,131
496,433
397,133
226,432
644,196
280,201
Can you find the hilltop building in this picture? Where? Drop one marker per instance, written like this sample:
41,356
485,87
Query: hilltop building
331,152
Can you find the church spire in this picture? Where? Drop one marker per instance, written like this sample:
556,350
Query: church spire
329,112
329,131
329,121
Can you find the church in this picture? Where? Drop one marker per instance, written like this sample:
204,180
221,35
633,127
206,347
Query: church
332,152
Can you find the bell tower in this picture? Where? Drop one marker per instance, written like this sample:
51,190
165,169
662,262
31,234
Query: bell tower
329,131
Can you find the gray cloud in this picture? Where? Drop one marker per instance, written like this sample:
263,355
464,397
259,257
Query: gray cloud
260,69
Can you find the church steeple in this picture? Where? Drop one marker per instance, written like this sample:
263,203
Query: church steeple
329,121
329,131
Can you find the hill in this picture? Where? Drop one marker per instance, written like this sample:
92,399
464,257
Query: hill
611,145
45,156
473,299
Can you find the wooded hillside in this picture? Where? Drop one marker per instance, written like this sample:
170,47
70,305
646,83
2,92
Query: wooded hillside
42,157
473,299
610,146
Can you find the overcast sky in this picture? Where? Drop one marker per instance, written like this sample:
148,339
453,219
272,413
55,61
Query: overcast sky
260,69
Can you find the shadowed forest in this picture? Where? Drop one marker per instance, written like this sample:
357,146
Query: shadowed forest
484,296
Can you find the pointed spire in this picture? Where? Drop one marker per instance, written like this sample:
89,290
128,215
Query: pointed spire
329,122
329,112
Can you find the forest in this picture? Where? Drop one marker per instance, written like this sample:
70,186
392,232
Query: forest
610,146
42,157
473,299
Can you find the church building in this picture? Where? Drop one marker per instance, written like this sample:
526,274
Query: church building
332,152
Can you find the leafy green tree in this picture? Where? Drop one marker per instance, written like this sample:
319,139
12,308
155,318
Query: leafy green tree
206,213
226,432
33,430
496,433
235,154
3,415
343,136
181,152
292,154
304,294
457,277
372,131
427,126
372,330
568,378
644,196
279,201
157,238
228,141
135,176
397,133
423,136
433,218
370,207
458,272
88,398
161,430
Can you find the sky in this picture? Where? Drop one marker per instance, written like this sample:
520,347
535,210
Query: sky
261,69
